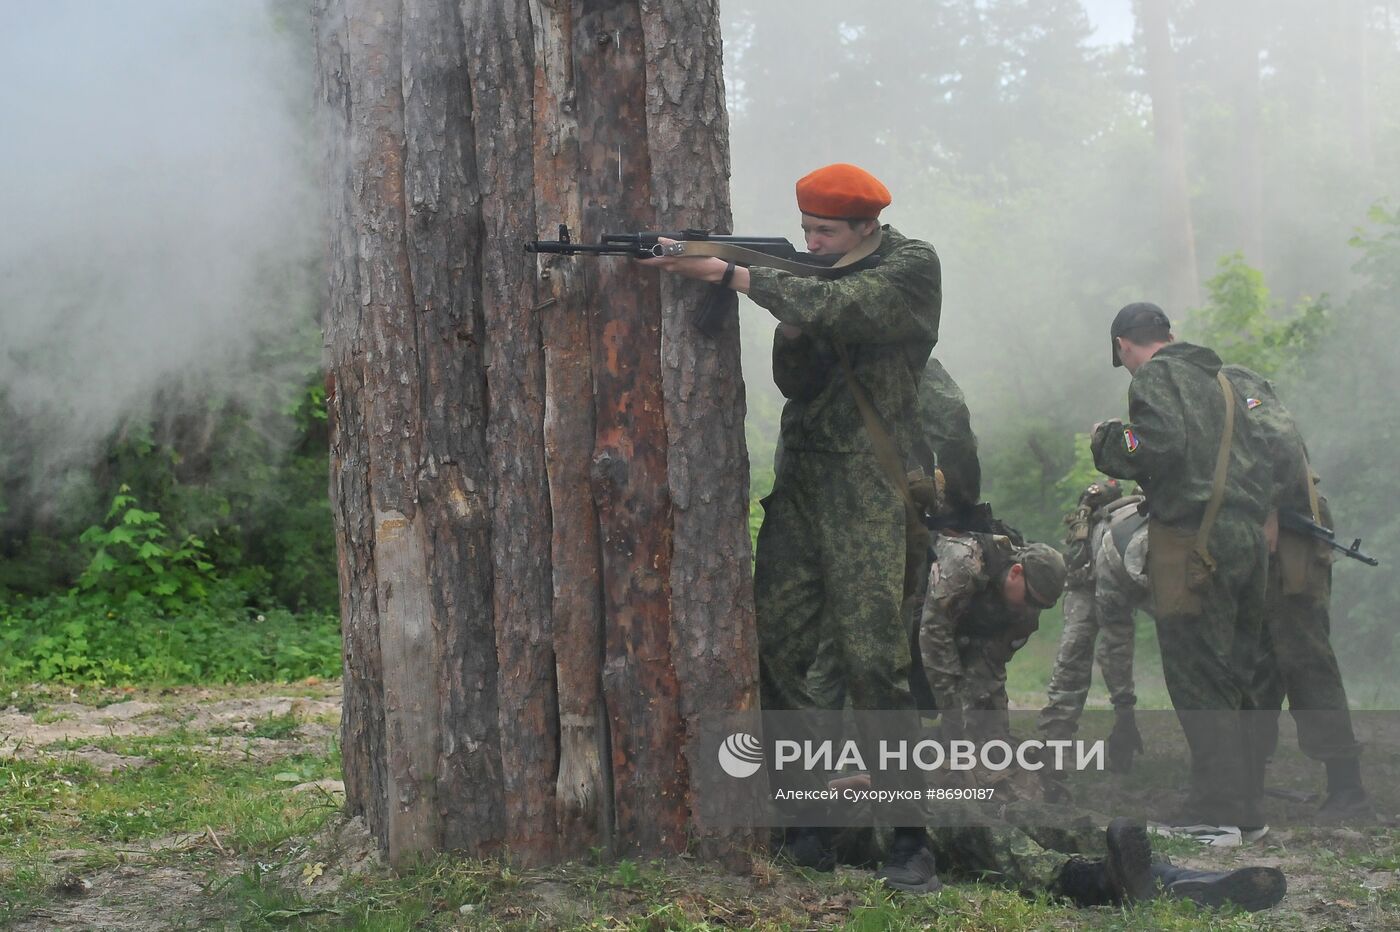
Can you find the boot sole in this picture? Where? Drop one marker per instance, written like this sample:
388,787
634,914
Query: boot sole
1129,864
933,885
1250,888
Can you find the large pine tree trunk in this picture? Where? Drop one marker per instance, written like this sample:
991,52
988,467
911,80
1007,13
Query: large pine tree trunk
538,466
1178,237
1244,20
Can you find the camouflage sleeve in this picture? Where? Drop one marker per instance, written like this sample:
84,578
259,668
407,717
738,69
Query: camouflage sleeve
951,584
895,302
1154,438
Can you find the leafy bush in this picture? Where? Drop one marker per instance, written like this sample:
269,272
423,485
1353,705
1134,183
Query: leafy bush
81,637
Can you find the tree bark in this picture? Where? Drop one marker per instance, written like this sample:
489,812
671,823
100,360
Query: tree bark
629,451
500,52
1178,239
528,620
583,788
713,639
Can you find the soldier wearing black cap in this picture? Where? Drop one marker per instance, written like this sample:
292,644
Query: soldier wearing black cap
1188,443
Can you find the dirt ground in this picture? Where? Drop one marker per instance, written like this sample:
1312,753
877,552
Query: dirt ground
1338,878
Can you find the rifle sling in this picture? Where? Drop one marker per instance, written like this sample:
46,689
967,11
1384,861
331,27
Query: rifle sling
741,255
1222,468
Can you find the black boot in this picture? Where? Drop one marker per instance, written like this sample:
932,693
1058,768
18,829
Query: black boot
1250,888
1346,797
1124,740
910,865
1085,883
1125,876
809,847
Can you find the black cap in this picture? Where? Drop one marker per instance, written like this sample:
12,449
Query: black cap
1141,315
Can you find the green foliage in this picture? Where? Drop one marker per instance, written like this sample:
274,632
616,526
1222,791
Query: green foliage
82,637
1240,323
136,557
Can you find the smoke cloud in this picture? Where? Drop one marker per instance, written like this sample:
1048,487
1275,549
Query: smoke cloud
159,208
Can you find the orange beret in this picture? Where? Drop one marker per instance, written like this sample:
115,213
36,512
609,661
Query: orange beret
842,192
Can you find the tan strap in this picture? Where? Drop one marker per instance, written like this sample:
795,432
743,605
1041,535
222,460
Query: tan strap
1314,505
1222,468
881,443
751,257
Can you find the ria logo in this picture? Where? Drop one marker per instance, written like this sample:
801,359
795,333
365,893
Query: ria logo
740,755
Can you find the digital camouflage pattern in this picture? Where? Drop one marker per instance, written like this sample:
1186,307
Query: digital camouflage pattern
1099,624
886,316
830,553
945,424
1169,446
1022,849
1296,660
967,632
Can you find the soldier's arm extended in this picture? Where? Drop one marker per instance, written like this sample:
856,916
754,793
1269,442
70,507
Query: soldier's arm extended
952,583
897,301
1153,440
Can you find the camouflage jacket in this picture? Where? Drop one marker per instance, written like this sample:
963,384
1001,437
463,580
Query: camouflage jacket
1280,442
964,606
886,316
1169,445
945,425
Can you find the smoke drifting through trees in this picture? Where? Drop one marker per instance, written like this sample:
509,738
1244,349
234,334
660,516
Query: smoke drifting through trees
160,221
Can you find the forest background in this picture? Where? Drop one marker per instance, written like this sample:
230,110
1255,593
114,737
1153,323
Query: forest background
163,506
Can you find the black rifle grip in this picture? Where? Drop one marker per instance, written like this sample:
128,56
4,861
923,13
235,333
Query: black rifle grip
710,318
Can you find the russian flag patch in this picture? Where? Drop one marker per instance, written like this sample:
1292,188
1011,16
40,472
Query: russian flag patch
1130,439
1252,403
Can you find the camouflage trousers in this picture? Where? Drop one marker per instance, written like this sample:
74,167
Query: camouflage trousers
1021,849
1098,625
1296,660
1208,662
830,567
828,581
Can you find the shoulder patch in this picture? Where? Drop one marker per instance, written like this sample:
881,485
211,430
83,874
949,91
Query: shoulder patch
1130,440
1252,403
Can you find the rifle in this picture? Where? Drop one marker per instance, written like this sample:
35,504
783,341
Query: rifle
767,251
1295,521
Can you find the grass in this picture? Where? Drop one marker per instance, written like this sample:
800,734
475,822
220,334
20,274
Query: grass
201,832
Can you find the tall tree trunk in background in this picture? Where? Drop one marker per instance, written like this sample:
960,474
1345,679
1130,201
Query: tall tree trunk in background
538,466
1178,238
1352,16
1244,20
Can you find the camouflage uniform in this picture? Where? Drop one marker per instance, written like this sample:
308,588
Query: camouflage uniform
1169,448
1099,604
830,553
1296,657
945,425
945,429
967,632
1016,850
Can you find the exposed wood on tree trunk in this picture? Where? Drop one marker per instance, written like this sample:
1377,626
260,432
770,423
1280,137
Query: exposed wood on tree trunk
712,633
583,793
444,235
362,711
500,56
1178,240
517,662
391,413
629,459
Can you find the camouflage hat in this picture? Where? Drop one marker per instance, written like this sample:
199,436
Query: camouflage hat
1045,572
